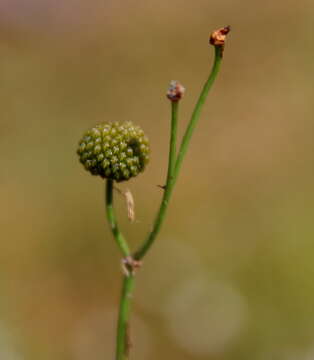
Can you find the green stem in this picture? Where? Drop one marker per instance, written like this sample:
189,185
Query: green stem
173,139
123,341
122,345
197,110
169,183
121,242
173,173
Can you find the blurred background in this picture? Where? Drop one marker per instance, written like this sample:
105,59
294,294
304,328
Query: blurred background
231,274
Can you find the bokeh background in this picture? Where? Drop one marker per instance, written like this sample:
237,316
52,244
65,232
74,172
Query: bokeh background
231,275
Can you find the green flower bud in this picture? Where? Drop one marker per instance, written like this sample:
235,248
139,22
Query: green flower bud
114,151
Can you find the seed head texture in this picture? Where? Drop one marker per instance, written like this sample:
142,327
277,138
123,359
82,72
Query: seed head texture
114,150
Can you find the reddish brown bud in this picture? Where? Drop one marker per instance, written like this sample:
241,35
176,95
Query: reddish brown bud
175,91
218,37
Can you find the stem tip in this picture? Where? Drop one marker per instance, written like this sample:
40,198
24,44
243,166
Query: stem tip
218,37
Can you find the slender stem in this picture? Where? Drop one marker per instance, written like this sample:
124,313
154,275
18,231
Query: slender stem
168,187
122,345
123,341
173,175
197,110
173,139
121,242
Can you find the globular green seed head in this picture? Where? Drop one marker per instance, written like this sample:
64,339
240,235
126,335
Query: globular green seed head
115,151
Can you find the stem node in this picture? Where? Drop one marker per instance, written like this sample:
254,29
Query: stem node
129,266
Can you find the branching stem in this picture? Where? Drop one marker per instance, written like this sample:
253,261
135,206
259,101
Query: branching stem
174,165
174,172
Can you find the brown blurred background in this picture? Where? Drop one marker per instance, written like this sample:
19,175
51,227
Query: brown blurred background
231,275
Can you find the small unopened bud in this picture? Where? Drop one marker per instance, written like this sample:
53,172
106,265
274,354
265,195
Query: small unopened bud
218,37
175,91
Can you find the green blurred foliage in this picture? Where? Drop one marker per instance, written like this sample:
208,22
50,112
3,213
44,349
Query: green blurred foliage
231,275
